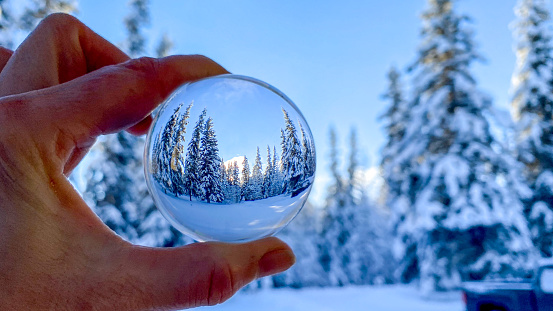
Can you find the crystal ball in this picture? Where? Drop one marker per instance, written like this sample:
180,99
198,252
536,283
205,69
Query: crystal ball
229,158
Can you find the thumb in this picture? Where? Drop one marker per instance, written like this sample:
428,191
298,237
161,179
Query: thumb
203,273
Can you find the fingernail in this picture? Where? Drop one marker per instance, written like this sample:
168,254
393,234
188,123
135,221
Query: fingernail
276,261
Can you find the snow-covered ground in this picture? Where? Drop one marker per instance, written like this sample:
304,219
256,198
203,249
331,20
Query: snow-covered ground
366,298
247,220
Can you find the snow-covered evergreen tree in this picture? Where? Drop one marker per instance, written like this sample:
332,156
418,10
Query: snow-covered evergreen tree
532,86
307,154
164,46
351,183
236,173
371,257
257,178
245,187
268,176
178,157
137,19
233,193
156,156
191,167
167,157
209,166
353,238
302,235
292,163
230,182
459,214
335,256
117,190
224,178
395,119
277,174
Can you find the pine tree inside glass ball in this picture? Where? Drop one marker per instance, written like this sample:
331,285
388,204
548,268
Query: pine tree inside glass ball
229,158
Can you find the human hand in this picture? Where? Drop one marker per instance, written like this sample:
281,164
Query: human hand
62,88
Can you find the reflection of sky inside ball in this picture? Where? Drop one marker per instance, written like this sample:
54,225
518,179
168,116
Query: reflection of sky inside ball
245,115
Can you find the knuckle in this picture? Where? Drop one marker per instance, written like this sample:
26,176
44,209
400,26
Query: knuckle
60,21
147,71
208,64
144,65
202,58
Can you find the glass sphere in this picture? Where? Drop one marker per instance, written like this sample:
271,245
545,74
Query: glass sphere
229,158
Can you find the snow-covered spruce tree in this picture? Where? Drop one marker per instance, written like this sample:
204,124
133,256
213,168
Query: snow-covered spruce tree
277,174
352,186
395,171
245,186
233,193
209,166
371,258
334,248
268,176
319,254
532,86
460,205
307,155
164,46
395,119
116,189
192,162
303,237
137,19
178,156
292,168
236,174
167,155
156,155
117,192
256,179
353,239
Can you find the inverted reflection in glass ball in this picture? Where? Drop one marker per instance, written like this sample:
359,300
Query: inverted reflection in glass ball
229,158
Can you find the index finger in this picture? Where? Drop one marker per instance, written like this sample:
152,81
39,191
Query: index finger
108,100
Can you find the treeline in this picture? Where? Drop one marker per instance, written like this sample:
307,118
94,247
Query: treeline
464,204
202,174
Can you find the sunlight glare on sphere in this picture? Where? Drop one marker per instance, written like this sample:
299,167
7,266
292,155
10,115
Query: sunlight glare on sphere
229,158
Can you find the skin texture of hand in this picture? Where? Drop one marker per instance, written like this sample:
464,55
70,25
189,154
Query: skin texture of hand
62,88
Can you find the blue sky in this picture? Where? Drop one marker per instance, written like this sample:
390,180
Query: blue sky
329,57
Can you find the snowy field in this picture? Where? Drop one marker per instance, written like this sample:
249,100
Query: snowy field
247,220
366,298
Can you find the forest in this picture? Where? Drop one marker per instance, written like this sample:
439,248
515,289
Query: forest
459,203
201,173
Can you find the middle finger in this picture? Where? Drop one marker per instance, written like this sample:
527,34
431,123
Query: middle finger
60,49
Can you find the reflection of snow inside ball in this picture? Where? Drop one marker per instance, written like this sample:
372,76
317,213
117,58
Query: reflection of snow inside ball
229,158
